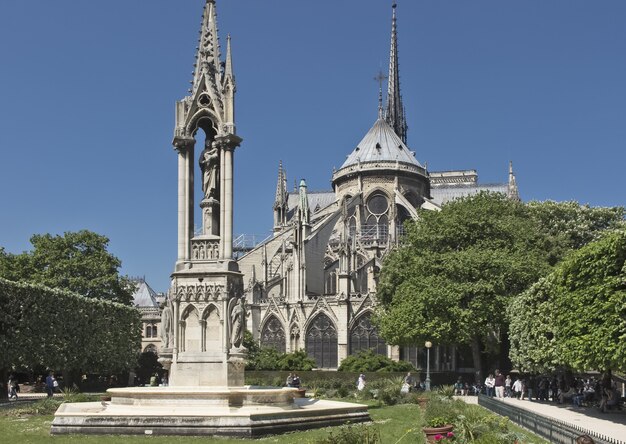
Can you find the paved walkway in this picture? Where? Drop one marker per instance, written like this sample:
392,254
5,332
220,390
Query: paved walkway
611,424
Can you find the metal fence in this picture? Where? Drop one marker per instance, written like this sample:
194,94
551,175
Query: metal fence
553,430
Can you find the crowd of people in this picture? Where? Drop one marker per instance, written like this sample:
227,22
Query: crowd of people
580,392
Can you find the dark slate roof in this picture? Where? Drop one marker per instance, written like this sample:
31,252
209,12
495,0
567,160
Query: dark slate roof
144,295
317,201
443,194
381,143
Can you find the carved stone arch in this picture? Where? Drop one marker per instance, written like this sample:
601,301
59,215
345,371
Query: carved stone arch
363,335
191,331
187,311
209,309
212,329
321,340
273,334
207,115
378,190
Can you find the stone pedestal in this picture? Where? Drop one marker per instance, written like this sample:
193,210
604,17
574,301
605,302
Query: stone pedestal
210,216
228,411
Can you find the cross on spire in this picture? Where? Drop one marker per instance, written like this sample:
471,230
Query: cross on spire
380,78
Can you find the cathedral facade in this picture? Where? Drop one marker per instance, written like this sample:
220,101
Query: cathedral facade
312,284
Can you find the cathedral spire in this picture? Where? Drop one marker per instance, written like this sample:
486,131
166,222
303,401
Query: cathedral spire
303,207
513,191
228,70
395,110
280,202
208,55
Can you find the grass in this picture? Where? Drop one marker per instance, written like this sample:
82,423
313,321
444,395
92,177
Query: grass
399,424
392,423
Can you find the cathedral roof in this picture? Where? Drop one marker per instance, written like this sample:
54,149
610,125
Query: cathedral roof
144,295
317,200
445,193
381,144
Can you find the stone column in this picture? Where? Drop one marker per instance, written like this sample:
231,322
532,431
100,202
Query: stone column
202,335
176,328
228,203
227,145
222,200
189,200
182,179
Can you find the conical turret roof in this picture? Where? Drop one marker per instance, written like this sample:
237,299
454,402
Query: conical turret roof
381,144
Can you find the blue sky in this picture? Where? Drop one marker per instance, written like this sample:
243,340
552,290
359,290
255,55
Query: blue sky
87,93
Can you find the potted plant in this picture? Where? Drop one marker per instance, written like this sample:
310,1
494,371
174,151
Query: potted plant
438,429
439,419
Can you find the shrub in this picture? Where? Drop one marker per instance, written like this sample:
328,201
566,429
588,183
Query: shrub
368,361
79,333
356,434
297,361
446,391
268,358
440,412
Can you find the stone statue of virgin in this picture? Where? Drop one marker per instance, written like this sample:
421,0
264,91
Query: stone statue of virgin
209,159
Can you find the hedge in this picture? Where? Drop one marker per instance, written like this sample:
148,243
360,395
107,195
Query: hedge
62,330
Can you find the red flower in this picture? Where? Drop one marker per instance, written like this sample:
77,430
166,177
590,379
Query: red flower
450,435
438,437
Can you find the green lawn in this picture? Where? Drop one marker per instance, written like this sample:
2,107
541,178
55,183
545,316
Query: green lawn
392,422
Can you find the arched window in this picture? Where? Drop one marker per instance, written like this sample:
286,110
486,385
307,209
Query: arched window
150,348
154,331
148,331
273,335
352,226
321,342
364,336
331,283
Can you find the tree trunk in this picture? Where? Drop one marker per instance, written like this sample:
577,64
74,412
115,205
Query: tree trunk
478,360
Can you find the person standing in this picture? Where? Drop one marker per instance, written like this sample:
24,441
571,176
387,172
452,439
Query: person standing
517,388
507,386
12,385
499,384
360,384
50,384
490,383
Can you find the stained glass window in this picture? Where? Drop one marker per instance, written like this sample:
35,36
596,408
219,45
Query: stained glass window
273,335
321,342
364,335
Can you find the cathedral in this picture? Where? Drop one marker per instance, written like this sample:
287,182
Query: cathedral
312,284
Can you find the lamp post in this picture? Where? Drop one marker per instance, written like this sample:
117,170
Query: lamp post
428,344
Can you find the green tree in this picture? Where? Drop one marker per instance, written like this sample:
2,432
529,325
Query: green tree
584,301
77,261
456,271
531,329
62,330
570,225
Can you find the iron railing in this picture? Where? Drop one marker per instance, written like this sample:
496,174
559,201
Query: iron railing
553,430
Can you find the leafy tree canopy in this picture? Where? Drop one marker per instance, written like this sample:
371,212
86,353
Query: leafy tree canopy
453,275
77,261
570,225
583,324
